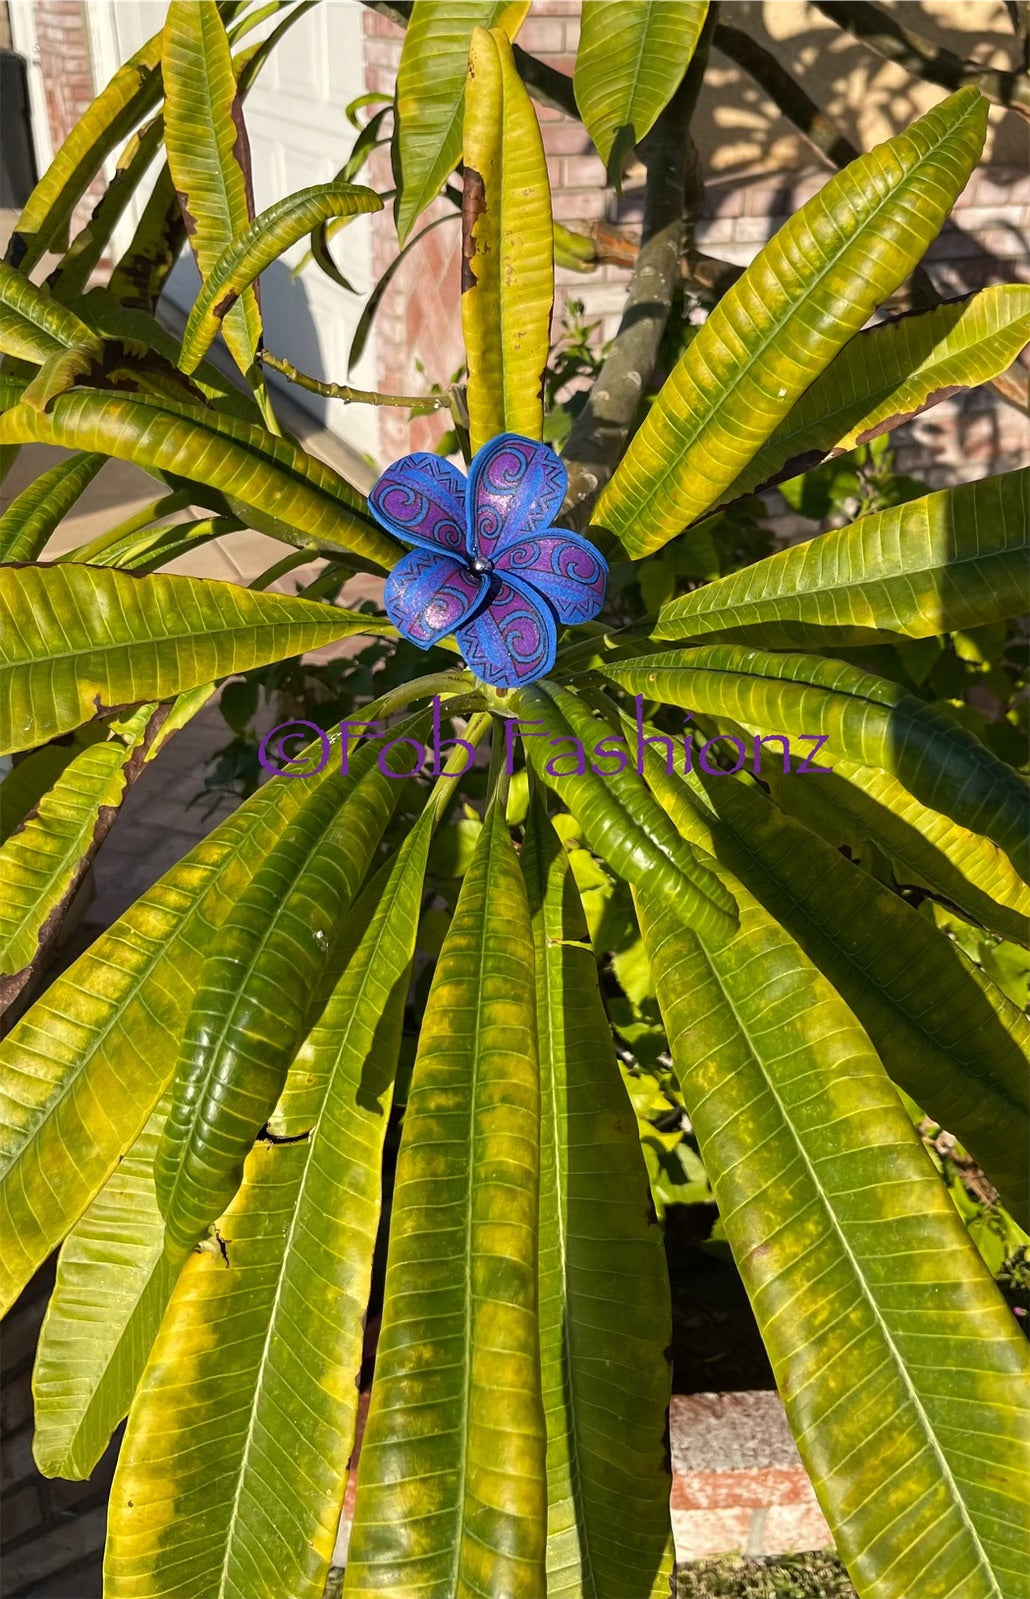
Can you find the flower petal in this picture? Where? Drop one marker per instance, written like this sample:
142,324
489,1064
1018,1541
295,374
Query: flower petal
421,498
563,567
512,640
427,595
515,487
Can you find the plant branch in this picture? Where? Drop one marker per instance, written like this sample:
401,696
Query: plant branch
424,403
546,84
883,33
786,94
602,429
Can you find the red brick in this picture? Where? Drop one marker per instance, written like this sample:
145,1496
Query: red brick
747,1488
382,53
76,1540
581,205
16,1460
378,26
15,1403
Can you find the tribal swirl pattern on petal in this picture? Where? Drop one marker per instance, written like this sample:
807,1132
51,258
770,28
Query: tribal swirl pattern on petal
422,500
564,567
515,487
511,628
428,595
488,565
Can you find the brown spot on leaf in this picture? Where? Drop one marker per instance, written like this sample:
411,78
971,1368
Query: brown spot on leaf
473,206
225,304
891,422
241,151
187,216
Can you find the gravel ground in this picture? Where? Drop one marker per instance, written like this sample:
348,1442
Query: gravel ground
818,1576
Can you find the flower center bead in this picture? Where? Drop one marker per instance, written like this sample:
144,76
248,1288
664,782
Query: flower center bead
481,565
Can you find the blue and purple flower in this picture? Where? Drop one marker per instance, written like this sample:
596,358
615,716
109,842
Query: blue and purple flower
488,565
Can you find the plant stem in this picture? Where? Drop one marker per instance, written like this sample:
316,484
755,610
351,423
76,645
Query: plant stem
445,684
601,431
786,94
445,787
424,403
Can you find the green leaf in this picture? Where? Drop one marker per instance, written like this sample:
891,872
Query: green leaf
148,549
114,1280
32,516
452,1491
605,1319
807,293
282,487
277,1380
430,92
951,560
27,781
901,1367
43,863
864,718
132,94
83,1069
261,243
618,814
141,273
890,374
858,805
77,640
245,1024
33,326
507,279
124,322
630,62
944,1032
88,247
208,153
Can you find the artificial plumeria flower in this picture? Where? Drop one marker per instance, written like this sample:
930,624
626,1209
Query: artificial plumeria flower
487,565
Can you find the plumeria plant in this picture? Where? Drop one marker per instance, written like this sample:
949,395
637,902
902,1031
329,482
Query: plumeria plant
200,1112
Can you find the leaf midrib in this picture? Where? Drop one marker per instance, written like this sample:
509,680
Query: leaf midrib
859,1276
463,1472
575,1469
920,375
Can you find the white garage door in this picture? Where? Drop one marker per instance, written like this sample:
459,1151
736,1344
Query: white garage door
299,135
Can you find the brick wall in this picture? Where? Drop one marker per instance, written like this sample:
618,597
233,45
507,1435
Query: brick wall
67,72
